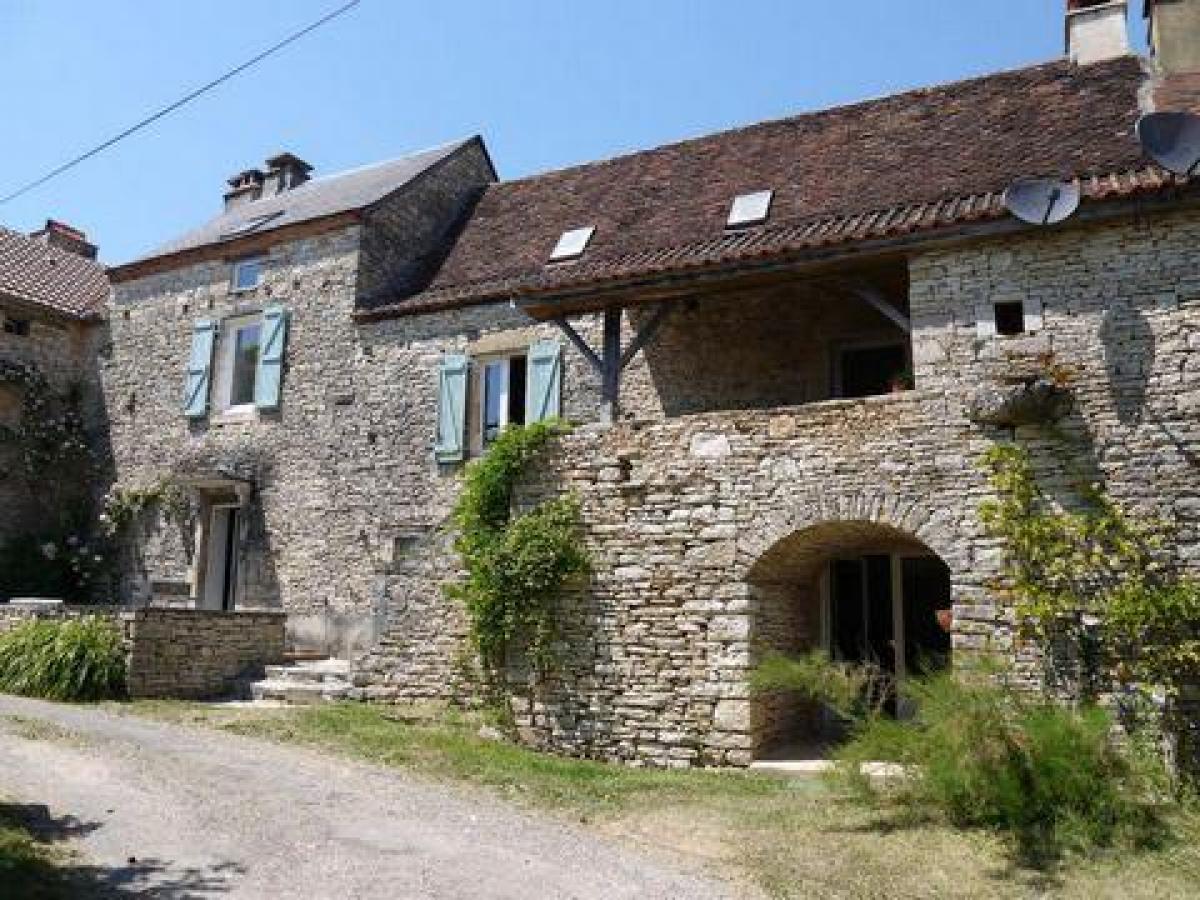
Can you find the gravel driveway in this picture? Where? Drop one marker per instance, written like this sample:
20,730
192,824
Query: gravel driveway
175,812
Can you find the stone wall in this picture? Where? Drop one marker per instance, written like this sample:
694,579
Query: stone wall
678,509
183,654
191,654
64,353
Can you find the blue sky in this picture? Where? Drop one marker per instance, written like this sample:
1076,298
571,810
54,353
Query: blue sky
547,84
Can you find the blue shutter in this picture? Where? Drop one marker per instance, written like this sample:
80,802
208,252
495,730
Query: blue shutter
543,389
269,375
452,408
199,371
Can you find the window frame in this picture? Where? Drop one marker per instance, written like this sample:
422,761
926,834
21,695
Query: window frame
258,260
225,363
477,386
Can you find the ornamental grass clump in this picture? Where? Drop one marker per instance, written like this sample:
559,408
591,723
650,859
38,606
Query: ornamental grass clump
516,562
979,754
78,660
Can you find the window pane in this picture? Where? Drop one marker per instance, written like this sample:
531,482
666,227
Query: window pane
246,274
493,396
516,391
245,365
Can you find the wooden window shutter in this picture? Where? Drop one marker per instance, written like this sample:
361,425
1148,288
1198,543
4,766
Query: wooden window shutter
543,390
199,371
268,378
452,408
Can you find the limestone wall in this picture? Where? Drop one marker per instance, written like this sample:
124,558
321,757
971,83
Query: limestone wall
191,654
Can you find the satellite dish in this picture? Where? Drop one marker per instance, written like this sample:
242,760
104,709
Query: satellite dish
1042,201
1172,139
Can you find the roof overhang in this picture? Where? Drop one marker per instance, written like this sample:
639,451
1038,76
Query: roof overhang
255,242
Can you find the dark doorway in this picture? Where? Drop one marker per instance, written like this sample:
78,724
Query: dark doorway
926,592
868,371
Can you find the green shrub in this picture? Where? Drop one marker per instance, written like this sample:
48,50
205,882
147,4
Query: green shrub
73,660
981,754
852,691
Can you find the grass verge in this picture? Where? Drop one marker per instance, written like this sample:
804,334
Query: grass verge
785,839
31,868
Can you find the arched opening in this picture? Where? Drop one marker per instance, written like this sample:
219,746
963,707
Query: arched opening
861,591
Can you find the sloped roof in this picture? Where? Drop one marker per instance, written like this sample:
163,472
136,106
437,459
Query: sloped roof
36,272
907,162
326,196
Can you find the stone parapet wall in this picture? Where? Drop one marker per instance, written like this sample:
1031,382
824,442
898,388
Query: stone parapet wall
192,654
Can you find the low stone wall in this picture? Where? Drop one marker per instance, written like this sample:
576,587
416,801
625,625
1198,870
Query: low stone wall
185,654
193,654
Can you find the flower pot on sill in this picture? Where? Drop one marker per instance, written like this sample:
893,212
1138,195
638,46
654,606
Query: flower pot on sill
945,619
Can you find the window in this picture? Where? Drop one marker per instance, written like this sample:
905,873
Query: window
1010,317
17,327
501,392
247,274
237,363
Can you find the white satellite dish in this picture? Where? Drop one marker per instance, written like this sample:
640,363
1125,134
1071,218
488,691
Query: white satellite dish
1172,139
1042,201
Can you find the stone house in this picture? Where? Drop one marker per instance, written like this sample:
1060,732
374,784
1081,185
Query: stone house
773,342
53,295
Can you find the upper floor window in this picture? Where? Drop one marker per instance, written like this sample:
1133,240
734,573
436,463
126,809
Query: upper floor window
17,327
501,392
247,274
237,362
236,365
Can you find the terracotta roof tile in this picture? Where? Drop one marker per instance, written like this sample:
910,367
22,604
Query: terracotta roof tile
890,166
36,272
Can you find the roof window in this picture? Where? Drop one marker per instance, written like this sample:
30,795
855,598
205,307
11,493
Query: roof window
571,244
749,209
250,225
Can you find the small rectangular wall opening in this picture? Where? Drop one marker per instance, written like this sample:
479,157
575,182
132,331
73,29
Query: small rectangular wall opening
1010,317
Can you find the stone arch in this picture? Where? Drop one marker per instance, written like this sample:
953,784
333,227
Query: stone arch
850,573
903,513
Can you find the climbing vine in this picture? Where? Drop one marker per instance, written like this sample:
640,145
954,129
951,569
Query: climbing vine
122,507
516,563
1094,561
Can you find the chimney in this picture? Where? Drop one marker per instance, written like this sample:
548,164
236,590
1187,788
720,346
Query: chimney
244,187
64,237
1096,30
284,172
1174,38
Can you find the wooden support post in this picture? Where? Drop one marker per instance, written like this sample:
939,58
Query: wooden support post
611,371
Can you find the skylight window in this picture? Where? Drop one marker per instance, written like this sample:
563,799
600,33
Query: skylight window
249,225
749,209
572,244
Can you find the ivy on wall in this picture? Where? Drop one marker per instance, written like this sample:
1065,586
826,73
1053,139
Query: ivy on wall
50,451
1095,562
516,563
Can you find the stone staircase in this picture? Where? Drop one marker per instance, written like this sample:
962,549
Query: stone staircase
304,681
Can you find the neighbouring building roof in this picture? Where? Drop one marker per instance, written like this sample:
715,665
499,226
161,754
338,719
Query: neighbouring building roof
33,271
890,166
319,198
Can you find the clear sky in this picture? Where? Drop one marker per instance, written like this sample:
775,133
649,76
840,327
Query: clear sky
547,84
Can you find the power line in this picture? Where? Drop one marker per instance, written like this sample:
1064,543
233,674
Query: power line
166,110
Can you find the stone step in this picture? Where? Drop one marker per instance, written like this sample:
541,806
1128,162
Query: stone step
312,672
298,692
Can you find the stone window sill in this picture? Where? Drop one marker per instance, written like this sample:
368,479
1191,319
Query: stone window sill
236,415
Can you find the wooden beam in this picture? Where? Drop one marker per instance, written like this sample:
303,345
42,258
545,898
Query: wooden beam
611,372
580,344
645,333
875,298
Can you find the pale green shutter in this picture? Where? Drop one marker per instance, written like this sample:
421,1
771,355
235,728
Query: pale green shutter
543,390
452,408
269,376
199,371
